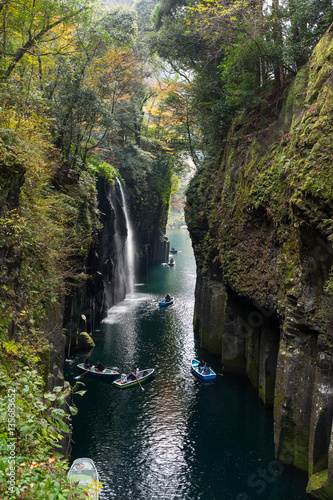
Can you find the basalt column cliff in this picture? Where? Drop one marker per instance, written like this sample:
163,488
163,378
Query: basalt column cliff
261,222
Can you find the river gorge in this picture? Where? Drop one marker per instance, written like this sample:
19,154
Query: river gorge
179,438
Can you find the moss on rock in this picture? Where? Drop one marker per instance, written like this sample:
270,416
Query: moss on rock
319,486
85,342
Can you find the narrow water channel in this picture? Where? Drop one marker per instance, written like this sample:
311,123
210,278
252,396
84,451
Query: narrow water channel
179,438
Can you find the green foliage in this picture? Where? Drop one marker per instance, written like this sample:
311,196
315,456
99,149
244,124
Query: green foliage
29,34
308,21
39,242
238,74
165,8
329,284
236,53
120,24
316,482
44,240
156,14
134,163
103,169
81,88
33,424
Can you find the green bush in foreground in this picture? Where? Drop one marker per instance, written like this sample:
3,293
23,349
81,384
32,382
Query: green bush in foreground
32,428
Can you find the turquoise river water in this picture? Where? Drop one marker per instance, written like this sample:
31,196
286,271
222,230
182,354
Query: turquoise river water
179,438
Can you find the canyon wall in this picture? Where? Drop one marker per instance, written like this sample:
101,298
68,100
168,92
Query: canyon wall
261,224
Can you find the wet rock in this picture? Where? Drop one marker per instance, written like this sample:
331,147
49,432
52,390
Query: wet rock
85,342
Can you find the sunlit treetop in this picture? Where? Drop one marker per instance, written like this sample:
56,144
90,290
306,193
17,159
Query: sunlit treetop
42,28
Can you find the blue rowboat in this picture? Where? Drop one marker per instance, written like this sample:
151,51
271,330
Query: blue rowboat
195,369
165,303
173,250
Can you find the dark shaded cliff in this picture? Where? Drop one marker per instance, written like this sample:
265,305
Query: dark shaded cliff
104,285
148,201
262,227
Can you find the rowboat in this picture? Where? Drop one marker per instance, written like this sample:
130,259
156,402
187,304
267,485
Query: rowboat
172,262
112,373
195,369
165,303
84,472
173,250
125,381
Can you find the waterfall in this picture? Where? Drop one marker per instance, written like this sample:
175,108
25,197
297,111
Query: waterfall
110,266
129,245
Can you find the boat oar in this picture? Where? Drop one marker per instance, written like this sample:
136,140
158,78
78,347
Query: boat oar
79,376
139,383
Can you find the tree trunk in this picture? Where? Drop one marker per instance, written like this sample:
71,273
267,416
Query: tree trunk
278,40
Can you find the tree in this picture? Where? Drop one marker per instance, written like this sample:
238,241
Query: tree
29,28
83,111
236,52
308,20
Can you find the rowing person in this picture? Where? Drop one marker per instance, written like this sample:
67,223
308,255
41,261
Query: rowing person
87,364
99,366
206,369
134,375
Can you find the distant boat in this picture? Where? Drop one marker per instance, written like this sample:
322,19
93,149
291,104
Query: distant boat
172,262
112,373
125,381
202,376
165,303
84,471
173,250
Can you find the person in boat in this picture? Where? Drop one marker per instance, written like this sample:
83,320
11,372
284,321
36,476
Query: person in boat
87,364
167,298
206,369
99,366
201,365
172,261
134,374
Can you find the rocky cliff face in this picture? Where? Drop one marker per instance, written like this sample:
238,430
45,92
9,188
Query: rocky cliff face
87,304
149,204
262,229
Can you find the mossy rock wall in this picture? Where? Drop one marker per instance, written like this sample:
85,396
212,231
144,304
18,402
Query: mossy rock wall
261,223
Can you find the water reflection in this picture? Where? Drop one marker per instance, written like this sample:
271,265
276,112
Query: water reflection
122,335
